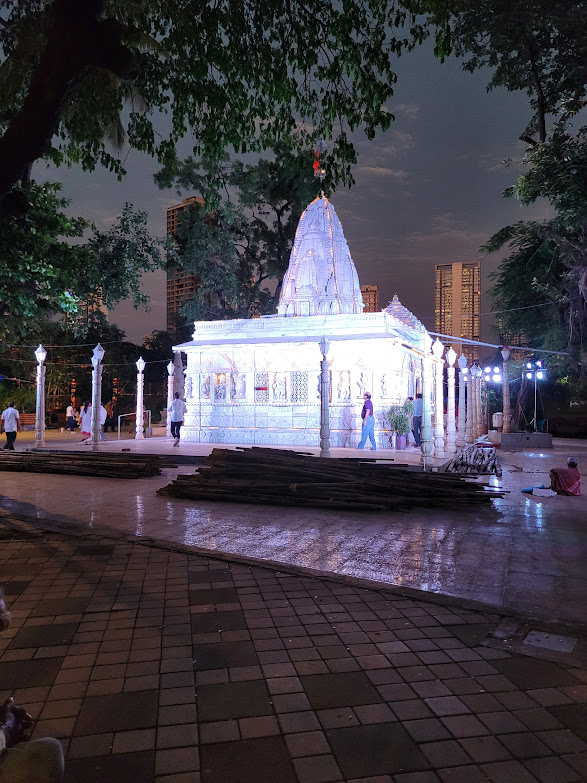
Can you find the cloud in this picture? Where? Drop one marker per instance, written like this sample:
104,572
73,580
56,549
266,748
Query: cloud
380,171
409,111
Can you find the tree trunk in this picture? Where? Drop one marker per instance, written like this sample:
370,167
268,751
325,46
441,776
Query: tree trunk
77,41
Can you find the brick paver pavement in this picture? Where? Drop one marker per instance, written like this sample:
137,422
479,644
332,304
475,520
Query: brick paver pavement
151,664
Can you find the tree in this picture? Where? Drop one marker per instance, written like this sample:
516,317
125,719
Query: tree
539,46
239,251
234,73
42,275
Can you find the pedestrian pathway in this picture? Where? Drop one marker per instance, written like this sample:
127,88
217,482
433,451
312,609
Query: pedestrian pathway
151,663
523,554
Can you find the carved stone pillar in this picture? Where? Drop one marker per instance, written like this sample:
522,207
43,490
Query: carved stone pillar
324,400
140,417
98,355
426,430
438,350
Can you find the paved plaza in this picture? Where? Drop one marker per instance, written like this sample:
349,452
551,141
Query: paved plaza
151,663
524,554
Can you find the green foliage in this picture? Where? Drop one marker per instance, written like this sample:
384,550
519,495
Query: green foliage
234,73
43,275
546,274
240,250
537,46
398,418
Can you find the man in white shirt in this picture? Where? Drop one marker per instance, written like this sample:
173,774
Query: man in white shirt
10,425
177,411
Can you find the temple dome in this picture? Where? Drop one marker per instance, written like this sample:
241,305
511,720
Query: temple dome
321,278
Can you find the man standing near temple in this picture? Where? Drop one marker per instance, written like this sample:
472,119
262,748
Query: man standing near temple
368,423
417,420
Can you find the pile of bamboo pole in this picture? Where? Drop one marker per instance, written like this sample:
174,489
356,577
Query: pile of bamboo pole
286,478
125,466
474,460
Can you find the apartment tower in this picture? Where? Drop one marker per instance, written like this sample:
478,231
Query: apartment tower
181,286
370,298
457,304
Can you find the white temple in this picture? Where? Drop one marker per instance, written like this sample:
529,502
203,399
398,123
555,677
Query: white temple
258,381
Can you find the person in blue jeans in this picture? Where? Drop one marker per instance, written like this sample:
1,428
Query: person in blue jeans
368,423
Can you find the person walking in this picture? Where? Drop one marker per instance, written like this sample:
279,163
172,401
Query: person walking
368,423
177,409
10,425
86,420
70,417
417,421
109,416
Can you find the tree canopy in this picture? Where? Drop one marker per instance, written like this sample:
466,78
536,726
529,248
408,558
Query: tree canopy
240,250
44,275
232,73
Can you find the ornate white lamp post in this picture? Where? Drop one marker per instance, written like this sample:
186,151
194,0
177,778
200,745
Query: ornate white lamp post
476,400
426,429
139,434
170,371
41,355
438,350
461,428
97,356
505,389
324,400
451,429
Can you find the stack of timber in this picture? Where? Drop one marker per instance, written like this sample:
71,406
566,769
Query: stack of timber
473,460
125,466
285,478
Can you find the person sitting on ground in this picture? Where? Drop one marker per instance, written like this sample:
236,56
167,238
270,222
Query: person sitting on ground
566,481
21,761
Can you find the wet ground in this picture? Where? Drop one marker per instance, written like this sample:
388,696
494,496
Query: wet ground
523,554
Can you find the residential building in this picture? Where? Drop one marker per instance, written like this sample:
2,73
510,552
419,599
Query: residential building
457,304
370,298
181,286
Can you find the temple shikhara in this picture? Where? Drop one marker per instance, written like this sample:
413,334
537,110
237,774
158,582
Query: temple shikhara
258,381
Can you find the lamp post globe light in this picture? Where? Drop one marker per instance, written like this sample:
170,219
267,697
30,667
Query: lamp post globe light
536,372
170,382
491,375
139,428
41,355
451,430
507,415
461,426
97,356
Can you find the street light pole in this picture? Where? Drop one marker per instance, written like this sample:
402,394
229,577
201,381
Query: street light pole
461,428
505,377
451,429
170,371
139,434
97,356
41,355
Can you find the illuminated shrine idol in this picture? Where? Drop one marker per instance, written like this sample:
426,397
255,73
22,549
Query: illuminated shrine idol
257,381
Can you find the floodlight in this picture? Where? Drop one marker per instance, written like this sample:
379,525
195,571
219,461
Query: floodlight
496,369
540,375
497,378
529,365
488,377
488,369
529,375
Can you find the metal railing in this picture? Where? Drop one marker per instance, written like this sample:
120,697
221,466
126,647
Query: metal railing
148,427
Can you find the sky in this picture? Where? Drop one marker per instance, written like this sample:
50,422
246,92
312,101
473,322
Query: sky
427,191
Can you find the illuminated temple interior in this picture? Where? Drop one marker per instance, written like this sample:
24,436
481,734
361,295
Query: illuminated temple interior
257,381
